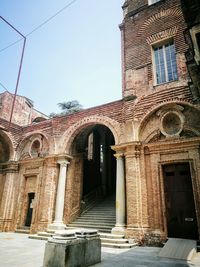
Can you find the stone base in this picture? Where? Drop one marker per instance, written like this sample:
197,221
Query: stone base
118,230
70,251
56,226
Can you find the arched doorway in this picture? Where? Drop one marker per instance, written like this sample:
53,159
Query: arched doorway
99,168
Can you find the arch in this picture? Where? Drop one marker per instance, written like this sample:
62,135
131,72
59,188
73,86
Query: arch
69,135
9,139
30,137
155,135
163,13
144,119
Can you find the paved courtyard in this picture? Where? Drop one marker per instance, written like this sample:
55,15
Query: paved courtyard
17,250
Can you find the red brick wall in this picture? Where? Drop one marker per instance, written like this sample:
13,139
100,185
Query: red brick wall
142,24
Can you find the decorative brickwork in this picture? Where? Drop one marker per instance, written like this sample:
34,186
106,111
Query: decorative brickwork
162,35
175,14
70,134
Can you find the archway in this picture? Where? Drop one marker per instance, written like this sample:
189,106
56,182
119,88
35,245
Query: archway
93,143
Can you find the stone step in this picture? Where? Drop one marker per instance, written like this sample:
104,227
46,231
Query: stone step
99,217
45,234
102,220
104,207
99,228
114,240
99,214
38,237
97,223
106,235
22,231
114,245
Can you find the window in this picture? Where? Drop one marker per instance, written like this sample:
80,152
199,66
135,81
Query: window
165,63
151,2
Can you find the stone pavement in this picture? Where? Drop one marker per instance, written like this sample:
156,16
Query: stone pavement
17,250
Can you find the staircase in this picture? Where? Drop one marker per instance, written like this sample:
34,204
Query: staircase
100,217
23,230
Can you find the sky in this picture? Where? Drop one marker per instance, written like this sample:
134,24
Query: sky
75,56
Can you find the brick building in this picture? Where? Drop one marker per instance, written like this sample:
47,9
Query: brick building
143,150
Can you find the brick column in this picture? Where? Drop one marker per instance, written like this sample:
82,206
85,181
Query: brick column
133,191
7,208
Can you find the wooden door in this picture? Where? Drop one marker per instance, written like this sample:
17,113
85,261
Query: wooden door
179,199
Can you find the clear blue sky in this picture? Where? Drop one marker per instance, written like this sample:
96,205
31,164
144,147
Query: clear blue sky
76,55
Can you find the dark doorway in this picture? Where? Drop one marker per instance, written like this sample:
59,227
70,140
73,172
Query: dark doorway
99,167
180,207
30,209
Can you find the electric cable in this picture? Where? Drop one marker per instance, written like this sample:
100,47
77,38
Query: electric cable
3,87
40,25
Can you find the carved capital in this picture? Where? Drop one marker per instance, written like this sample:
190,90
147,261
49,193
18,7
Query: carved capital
119,155
63,162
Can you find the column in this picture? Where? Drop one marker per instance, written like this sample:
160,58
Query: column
120,196
60,197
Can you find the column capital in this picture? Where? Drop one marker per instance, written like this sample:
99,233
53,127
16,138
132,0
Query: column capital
63,162
119,155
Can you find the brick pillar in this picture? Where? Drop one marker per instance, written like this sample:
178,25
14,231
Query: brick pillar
133,191
7,208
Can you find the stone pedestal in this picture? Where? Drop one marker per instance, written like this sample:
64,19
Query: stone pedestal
68,249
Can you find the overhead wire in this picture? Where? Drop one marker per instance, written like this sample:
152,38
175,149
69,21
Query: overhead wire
40,25
37,28
3,86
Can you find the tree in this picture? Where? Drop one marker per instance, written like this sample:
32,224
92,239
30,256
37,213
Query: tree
67,108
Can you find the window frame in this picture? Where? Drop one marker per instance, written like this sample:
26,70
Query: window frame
162,44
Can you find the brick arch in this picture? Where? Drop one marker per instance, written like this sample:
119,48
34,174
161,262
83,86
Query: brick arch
69,135
147,115
176,13
9,139
26,138
166,34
